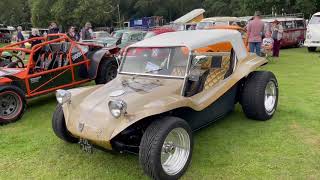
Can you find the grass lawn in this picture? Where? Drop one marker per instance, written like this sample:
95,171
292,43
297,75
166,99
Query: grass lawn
2,44
287,147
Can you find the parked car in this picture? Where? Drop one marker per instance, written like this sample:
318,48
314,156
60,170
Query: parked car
164,94
51,65
5,35
157,31
100,34
294,30
313,35
103,38
130,37
118,34
209,22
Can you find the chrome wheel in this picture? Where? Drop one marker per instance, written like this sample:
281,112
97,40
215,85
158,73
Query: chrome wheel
175,151
270,97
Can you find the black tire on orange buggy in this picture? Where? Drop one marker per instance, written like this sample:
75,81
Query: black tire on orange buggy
107,71
12,104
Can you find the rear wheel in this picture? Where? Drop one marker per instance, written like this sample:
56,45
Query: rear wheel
312,49
166,148
12,106
107,71
59,126
260,95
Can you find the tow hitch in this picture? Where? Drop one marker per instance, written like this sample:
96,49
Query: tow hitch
86,146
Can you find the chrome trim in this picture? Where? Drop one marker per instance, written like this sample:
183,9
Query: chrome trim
187,73
151,75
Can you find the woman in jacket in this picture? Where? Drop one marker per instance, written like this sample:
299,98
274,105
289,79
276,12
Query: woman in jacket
277,34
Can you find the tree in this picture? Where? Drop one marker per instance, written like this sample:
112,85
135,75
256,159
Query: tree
14,12
41,12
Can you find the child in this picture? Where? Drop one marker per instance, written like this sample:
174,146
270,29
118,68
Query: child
267,44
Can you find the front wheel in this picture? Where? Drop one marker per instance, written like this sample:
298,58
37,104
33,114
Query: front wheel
12,106
259,97
107,71
166,148
59,126
312,49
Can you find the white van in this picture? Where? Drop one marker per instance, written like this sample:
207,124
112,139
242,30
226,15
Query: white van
313,33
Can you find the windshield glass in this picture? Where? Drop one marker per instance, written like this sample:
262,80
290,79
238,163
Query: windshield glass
149,35
99,35
315,20
156,61
203,25
117,34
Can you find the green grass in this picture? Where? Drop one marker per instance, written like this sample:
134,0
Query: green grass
2,44
287,147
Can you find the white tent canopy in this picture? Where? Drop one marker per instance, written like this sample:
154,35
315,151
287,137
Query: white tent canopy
197,39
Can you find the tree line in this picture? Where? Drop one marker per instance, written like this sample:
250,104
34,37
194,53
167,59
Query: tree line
39,13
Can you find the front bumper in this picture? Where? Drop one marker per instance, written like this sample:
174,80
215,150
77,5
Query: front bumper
309,43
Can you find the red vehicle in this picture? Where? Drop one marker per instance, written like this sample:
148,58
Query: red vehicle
294,30
50,65
158,31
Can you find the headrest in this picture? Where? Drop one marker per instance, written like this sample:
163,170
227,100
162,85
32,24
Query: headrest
65,47
55,47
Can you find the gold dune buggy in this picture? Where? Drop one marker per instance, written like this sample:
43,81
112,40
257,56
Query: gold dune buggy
168,86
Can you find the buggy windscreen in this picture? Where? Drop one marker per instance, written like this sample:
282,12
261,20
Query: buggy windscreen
167,61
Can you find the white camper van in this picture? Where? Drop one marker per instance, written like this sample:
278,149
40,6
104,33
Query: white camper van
313,33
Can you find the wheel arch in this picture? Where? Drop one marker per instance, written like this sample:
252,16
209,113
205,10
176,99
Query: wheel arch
97,57
138,128
14,88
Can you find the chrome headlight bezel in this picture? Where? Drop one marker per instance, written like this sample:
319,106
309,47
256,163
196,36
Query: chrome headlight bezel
117,108
63,96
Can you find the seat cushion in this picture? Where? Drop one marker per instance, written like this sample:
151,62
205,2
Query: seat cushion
178,71
217,74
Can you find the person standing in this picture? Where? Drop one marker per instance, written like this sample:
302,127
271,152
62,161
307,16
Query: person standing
86,32
277,34
35,34
72,34
53,29
255,30
21,38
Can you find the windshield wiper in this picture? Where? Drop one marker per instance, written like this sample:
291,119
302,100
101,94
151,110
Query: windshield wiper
147,72
152,71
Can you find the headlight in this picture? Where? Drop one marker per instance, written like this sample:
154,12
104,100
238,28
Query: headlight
117,108
63,96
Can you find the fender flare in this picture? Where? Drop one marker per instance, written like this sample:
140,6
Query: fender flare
95,60
16,89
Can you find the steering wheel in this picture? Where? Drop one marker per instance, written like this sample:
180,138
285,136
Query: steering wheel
18,61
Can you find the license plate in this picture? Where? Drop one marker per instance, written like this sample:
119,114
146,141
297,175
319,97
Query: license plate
86,146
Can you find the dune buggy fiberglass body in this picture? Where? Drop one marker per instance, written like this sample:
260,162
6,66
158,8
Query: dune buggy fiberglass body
167,87
48,66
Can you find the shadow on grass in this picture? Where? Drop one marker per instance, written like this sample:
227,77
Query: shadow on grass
41,100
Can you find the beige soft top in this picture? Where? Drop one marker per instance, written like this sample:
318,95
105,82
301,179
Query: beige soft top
197,39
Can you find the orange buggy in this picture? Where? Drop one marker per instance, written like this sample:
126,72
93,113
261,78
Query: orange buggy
50,65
